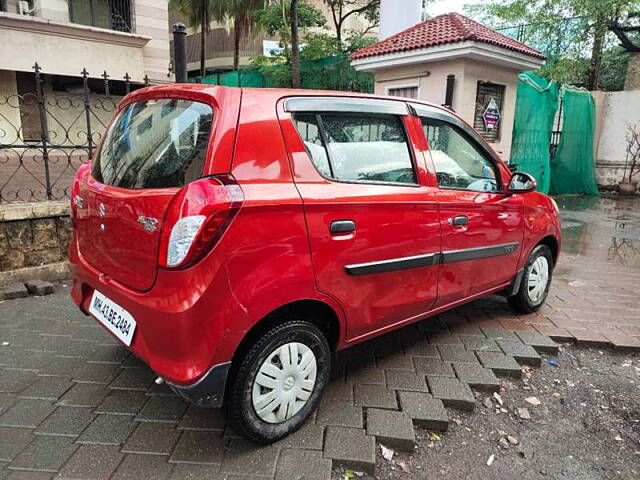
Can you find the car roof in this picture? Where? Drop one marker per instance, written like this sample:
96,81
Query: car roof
214,90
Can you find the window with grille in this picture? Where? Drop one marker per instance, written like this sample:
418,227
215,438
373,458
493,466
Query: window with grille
407,92
485,93
109,14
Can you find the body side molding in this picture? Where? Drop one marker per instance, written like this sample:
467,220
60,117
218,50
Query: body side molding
429,259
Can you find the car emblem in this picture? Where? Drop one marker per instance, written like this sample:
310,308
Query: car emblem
101,210
148,223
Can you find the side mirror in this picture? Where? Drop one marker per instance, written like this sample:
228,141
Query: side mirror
521,183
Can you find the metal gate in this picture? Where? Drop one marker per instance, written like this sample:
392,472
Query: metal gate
45,135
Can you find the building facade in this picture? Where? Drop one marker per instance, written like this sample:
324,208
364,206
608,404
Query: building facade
64,36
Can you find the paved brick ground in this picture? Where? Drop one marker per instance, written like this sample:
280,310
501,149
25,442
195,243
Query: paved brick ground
75,405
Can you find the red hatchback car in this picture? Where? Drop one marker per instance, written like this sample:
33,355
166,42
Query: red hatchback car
233,238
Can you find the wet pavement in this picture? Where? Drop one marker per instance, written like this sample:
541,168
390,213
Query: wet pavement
604,229
75,404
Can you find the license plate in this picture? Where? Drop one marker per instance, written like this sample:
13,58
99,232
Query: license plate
117,320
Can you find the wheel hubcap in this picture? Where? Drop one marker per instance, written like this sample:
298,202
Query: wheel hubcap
538,279
284,382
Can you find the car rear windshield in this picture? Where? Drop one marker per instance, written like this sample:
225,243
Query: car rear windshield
155,144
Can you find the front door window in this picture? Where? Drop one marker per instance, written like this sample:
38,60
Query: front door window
459,163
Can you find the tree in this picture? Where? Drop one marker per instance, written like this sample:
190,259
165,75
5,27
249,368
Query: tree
243,16
295,46
198,14
571,29
341,10
277,19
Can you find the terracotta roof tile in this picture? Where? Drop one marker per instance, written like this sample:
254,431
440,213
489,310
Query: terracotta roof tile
443,29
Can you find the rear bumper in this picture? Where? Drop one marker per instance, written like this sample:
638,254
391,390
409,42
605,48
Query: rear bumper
209,390
183,323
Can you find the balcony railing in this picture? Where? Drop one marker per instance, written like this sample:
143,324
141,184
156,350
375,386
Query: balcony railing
109,14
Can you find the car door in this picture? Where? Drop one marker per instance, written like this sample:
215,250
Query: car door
373,225
482,226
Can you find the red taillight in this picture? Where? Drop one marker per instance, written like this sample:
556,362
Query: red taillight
77,202
196,219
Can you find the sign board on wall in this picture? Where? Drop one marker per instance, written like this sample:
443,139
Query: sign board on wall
491,115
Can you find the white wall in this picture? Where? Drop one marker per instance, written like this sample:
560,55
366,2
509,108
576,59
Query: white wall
615,111
398,15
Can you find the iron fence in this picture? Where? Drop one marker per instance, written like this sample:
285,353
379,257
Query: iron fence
45,135
556,132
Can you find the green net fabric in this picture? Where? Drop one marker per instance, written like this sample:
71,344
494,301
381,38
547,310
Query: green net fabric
536,107
572,168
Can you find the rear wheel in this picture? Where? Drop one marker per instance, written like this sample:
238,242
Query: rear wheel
279,381
535,283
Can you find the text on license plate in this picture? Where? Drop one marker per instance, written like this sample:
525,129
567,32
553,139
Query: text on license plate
117,320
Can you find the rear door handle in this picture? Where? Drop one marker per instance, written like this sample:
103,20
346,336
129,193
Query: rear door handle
460,220
342,226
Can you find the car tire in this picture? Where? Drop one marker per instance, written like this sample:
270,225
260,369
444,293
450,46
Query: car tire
272,393
534,287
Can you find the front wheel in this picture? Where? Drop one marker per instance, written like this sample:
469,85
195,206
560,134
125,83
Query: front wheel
279,381
535,283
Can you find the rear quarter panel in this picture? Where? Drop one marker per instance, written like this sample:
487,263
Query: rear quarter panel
268,259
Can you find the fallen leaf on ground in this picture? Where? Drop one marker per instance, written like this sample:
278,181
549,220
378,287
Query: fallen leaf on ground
533,401
524,414
434,436
498,398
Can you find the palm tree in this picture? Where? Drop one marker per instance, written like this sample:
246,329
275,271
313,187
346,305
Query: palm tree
242,17
199,14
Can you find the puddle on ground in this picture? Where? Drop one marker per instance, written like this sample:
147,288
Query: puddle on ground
606,227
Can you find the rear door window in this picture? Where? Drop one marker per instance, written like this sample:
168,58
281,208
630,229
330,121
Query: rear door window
156,143
353,147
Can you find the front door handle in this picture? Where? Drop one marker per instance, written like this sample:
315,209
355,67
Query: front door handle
342,226
459,221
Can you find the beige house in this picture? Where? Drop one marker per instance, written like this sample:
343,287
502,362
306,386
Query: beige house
64,36
452,60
